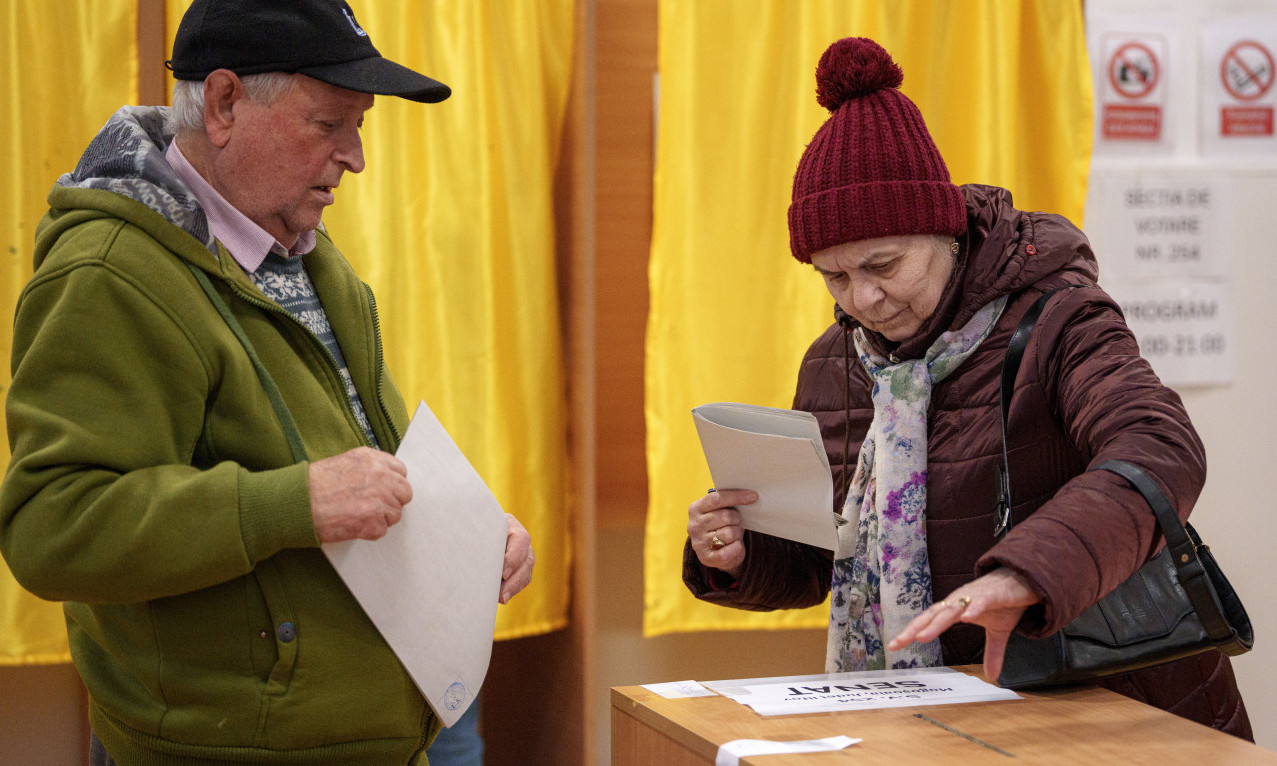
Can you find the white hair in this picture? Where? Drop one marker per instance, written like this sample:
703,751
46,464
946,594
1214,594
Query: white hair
187,113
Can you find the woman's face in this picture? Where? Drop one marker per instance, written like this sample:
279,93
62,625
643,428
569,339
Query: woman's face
890,285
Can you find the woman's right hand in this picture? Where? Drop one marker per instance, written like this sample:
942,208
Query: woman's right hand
713,525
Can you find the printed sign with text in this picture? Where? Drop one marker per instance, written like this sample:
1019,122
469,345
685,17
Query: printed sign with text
1238,98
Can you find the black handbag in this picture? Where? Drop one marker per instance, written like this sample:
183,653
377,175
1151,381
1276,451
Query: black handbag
1176,605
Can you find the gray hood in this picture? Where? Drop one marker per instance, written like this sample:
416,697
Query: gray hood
127,158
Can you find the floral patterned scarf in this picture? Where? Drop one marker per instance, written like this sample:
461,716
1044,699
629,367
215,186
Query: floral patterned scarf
882,576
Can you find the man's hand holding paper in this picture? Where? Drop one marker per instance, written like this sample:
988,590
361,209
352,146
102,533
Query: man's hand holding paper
357,495
432,584
516,571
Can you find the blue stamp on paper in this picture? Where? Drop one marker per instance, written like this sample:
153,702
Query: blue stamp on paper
455,695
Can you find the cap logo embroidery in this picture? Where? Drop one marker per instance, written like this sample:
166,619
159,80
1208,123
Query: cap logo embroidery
354,24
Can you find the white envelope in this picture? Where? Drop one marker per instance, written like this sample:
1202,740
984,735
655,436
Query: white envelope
780,455
431,584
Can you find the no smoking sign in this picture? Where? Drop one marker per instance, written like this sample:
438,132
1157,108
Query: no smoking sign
1247,70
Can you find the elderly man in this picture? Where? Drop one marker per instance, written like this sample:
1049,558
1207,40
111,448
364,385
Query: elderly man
199,400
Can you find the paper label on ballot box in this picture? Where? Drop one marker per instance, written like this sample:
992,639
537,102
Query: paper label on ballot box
831,692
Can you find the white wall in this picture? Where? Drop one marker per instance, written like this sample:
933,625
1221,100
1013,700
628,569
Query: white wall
1237,512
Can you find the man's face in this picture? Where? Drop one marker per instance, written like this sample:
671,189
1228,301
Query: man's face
283,161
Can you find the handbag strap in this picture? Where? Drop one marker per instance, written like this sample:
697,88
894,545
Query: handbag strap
291,433
1192,575
1010,368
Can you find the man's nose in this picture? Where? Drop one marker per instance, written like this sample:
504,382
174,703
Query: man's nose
351,153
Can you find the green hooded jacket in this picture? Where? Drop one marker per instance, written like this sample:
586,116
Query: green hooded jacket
153,490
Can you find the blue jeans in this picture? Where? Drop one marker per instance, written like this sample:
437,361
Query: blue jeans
460,745
97,753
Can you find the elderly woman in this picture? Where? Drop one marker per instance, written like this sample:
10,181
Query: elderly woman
930,281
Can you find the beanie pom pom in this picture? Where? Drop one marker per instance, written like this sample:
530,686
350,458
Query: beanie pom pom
854,67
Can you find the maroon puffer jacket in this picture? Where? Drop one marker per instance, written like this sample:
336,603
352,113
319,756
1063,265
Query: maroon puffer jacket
1084,395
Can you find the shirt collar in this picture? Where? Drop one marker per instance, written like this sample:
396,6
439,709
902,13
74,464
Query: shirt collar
247,242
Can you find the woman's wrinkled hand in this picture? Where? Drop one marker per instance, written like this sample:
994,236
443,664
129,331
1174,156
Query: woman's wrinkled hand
995,601
713,525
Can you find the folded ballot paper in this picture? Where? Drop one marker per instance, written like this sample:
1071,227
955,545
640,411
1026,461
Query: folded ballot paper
780,455
431,584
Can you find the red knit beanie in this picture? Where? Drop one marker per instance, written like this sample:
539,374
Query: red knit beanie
872,169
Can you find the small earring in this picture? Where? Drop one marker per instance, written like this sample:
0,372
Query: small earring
953,247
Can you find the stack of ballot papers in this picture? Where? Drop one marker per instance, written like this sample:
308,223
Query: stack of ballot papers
780,455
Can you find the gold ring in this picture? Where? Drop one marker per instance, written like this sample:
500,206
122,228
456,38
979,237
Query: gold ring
965,601
943,604
714,542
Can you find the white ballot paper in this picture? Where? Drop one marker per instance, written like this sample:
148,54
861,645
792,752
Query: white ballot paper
431,584
869,689
780,455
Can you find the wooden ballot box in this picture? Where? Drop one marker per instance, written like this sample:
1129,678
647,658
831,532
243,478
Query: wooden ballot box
1073,726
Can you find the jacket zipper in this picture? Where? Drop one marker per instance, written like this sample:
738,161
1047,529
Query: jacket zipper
332,362
379,365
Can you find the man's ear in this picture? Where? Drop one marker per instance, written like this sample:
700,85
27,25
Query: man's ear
222,89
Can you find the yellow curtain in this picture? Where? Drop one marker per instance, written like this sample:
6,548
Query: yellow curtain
68,66
452,224
1005,89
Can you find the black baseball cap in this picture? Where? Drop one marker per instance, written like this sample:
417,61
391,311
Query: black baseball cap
317,38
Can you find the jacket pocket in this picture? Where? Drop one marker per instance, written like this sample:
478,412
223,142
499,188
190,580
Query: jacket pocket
282,627
261,629
210,663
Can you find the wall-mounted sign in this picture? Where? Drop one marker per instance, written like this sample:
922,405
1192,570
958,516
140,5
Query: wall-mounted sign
1133,65
1132,108
1164,243
1185,329
1238,98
